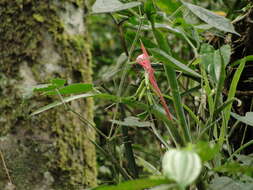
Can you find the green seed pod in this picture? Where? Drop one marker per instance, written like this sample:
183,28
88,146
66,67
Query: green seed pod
182,166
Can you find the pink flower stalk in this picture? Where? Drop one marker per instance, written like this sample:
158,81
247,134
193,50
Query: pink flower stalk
144,61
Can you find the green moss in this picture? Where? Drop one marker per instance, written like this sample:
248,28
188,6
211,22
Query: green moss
71,157
38,18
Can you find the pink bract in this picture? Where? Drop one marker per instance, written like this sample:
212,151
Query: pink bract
144,61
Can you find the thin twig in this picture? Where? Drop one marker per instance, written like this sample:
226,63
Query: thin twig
82,119
125,70
131,163
5,167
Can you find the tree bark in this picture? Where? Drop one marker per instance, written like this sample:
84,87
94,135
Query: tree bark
41,40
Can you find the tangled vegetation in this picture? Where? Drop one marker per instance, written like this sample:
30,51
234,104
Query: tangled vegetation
200,60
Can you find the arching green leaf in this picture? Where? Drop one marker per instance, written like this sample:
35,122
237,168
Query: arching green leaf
211,18
109,6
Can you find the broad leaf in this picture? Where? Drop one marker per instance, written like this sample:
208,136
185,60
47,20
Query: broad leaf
211,18
206,150
211,59
109,6
247,119
223,54
226,183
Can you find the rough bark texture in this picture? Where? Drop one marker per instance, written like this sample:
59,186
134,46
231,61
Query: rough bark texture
41,40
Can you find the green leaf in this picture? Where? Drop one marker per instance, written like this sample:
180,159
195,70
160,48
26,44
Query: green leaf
58,82
71,98
218,60
167,59
138,184
211,59
247,119
235,80
109,6
206,150
211,18
161,40
55,83
220,83
150,10
132,122
226,183
218,110
148,166
110,97
160,115
43,87
168,6
58,103
231,95
38,17
71,89
235,168
109,72
172,79
161,26
245,159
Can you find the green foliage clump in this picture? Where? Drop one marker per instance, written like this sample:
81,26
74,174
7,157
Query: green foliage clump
191,69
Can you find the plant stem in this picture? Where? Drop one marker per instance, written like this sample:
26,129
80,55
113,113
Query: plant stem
125,71
114,161
82,119
172,78
128,147
5,167
240,149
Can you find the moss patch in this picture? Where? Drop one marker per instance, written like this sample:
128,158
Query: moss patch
54,141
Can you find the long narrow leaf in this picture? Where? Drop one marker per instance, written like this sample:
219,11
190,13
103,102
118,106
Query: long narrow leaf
71,98
223,106
138,184
163,56
172,62
231,94
190,112
159,115
171,75
72,89
220,85
128,101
